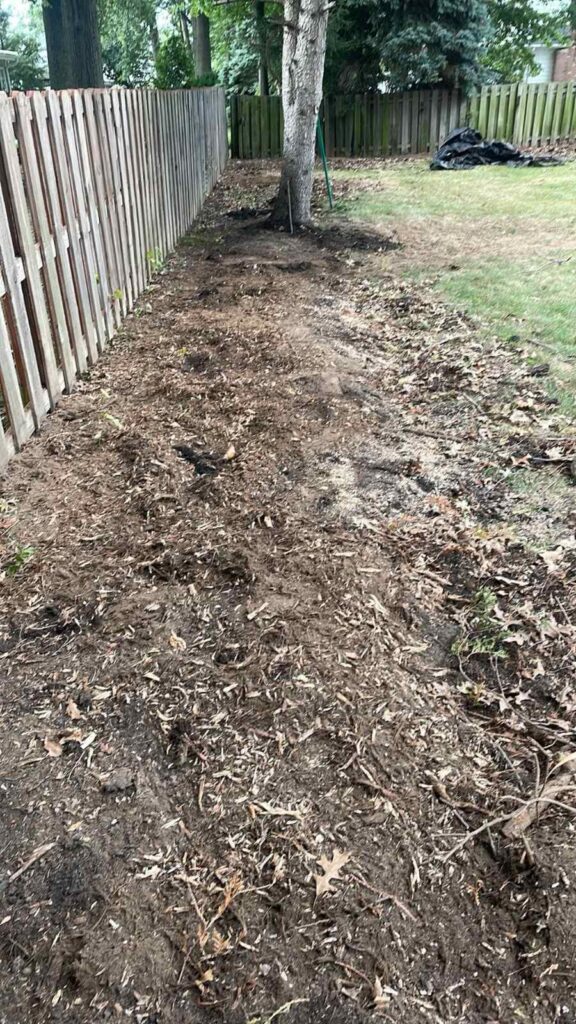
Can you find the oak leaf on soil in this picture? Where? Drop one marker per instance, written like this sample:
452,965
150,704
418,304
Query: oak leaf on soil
331,869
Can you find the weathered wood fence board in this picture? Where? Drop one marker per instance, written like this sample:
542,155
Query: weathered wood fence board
391,124
96,187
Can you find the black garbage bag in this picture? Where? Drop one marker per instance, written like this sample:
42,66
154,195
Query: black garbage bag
464,148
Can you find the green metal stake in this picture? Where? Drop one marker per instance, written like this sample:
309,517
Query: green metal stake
322,148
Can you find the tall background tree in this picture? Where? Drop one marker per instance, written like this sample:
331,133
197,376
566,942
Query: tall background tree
436,43
73,43
130,40
353,51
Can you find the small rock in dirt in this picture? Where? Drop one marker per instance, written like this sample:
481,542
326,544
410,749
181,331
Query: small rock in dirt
118,781
329,384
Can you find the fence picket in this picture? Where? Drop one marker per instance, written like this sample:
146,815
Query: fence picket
558,110
63,250
566,117
20,419
39,324
63,176
548,115
30,157
115,196
106,210
86,249
101,292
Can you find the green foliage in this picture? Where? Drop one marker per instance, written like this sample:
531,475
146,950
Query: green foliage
516,24
19,559
352,52
155,260
29,70
484,632
235,46
174,64
211,78
128,34
440,42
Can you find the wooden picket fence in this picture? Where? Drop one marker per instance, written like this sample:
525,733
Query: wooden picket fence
391,124
96,187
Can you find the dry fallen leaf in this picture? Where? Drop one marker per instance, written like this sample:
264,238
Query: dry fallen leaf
73,711
71,736
552,559
54,747
519,417
204,979
331,869
177,642
380,995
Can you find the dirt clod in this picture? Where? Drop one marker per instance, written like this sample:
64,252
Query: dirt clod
118,781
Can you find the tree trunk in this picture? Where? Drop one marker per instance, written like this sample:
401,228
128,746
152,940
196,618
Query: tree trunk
263,77
302,73
202,49
185,30
154,35
73,44
58,42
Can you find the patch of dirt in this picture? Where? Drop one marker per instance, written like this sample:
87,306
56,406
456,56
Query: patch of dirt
282,653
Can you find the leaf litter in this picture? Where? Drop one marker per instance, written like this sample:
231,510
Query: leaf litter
302,585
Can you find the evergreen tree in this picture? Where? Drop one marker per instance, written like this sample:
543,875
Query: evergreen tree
432,42
353,57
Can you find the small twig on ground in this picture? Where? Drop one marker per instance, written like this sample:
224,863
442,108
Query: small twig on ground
353,970
524,816
443,795
289,207
39,852
281,1009
386,896
284,1009
472,835
503,818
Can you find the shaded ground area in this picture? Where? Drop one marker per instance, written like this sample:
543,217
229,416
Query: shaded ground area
283,650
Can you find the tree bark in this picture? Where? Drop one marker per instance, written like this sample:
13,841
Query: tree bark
263,76
58,48
202,48
185,30
154,35
303,55
73,44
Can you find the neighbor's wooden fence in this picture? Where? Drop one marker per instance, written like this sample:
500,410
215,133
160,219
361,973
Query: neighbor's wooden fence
412,122
96,187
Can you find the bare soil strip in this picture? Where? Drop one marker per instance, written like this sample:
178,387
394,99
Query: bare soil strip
288,659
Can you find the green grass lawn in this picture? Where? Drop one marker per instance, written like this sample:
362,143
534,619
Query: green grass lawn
497,241
411,189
